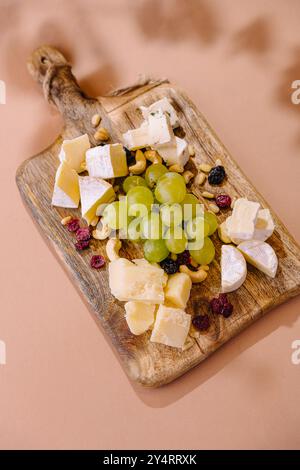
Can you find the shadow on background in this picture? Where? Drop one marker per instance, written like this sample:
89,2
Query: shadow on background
255,38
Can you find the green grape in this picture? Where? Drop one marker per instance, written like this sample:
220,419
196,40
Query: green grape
151,227
134,230
212,221
139,201
175,240
171,214
155,250
191,207
206,254
115,215
132,181
170,188
197,229
153,172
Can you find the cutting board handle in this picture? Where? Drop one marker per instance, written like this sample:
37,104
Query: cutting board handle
50,69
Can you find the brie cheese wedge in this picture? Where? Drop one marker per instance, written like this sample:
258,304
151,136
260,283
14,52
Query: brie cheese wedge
261,255
137,138
73,152
107,161
241,224
165,107
160,129
174,152
139,316
233,268
66,187
93,192
171,326
264,226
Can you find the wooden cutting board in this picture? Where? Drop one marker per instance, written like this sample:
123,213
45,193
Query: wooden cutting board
147,363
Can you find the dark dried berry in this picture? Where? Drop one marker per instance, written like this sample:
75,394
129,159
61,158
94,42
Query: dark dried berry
215,305
227,310
97,261
201,322
83,234
183,258
73,225
223,201
216,175
221,305
130,158
169,266
82,245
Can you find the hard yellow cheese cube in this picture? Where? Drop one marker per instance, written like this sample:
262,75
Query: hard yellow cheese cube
66,189
139,316
73,151
178,290
171,326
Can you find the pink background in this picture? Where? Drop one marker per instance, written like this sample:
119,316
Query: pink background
62,386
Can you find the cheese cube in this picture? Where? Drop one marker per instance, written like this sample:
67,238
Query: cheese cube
241,223
107,161
73,151
93,192
264,226
160,129
177,291
171,326
174,152
127,281
261,255
66,188
139,316
137,138
164,106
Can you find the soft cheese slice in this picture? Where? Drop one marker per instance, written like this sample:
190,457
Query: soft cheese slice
164,106
174,152
93,192
177,291
107,161
137,138
127,281
261,255
160,129
264,226
233,268
73,151
171,326
66,188
139,316
242,222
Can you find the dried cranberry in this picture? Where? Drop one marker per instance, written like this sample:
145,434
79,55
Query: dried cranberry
82,245
216,175
97,261
223,201
83,234
221,305
215,305
201,322
169,266
73,225
227,310
183,258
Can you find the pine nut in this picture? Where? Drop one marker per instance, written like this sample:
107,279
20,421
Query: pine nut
213,208
208,195
96,118
218,162
66,220
200,178
205,167
101,134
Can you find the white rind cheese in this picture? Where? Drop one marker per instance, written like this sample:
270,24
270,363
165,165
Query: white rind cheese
73,152
264,226
261,255
171,326
160,129
174,152
93,192
107,161
233,268
66,187
241,224
137,138
139,316
164,106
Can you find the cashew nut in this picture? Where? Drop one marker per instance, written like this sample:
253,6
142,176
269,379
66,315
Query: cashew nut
153,156
176,168
200,178
188,176
195,276
102,231
140,164
113,247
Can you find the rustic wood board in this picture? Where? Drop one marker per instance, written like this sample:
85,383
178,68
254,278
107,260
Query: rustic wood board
148,363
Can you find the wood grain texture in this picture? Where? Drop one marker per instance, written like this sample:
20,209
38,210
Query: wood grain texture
148,363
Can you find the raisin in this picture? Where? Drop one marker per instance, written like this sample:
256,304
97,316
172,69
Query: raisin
183,258
227,310
201,322
169,266
97,261
216,175
221,305
223,201
83,234
82,245
73,225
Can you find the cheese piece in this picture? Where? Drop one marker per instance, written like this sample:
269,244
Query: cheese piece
160,129
233,268
127,281
144,262
137,138
139,316
178,290
242,222
73,152
164,106
93,192
107,161
66,187
261,255
264,226
174,152
171,326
